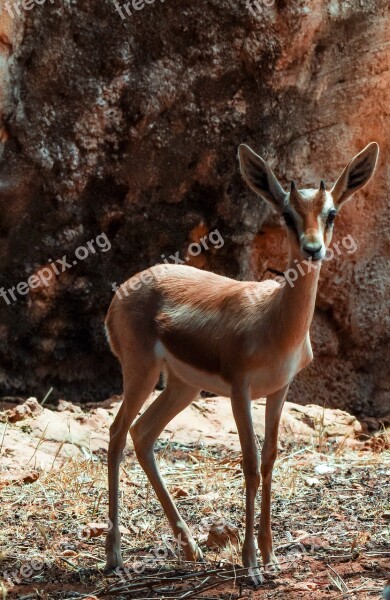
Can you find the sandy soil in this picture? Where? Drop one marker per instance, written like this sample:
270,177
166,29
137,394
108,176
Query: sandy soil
330,509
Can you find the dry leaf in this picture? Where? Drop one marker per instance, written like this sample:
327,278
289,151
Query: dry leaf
69,553
92,530
29,478
178,492
222,534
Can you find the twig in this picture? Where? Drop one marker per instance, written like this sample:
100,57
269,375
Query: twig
46,397
3,436
338,581
65,560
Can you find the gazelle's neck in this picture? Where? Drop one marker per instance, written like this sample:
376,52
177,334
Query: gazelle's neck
297,298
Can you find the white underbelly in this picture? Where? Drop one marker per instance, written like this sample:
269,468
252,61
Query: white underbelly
271,378
267,381
262,382
204,381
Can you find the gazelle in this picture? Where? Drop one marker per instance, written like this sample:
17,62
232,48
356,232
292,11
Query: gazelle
245,340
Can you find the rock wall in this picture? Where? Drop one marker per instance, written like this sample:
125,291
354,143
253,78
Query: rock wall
128,125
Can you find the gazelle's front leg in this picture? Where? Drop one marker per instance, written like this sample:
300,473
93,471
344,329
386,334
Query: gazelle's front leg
137,388
241,404
273,413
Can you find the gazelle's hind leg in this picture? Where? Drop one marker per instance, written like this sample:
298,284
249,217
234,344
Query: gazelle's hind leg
176,396
139,380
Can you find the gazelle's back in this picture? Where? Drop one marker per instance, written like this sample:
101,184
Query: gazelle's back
177,304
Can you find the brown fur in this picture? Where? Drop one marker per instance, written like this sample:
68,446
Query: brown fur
223,315
308,207
242,339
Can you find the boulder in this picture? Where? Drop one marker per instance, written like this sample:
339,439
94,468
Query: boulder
127,127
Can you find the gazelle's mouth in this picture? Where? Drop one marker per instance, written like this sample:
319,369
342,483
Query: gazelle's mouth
314,257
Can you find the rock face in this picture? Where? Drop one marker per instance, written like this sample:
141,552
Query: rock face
126,127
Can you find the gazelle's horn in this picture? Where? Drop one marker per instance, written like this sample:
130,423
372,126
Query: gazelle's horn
322,186
294,193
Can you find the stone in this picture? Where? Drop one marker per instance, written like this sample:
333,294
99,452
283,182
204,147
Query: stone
138,141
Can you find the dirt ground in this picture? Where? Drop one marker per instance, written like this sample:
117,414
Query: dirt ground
331,521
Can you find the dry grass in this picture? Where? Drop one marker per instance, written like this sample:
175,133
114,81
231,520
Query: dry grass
331,530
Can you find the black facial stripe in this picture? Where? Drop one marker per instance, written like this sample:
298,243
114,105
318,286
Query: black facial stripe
291,224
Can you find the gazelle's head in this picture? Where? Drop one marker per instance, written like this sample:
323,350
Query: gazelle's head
309,214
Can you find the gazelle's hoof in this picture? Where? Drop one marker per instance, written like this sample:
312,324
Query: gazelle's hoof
113,565
272,564
249,555
199,554
256,575
113,561
193,553
249,560
113,550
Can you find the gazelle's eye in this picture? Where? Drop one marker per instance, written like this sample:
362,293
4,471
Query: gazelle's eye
331,217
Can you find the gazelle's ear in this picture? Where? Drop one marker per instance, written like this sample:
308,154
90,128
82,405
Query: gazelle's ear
260,177
356,174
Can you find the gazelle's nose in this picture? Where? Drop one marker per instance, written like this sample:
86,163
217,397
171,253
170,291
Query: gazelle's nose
312,248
